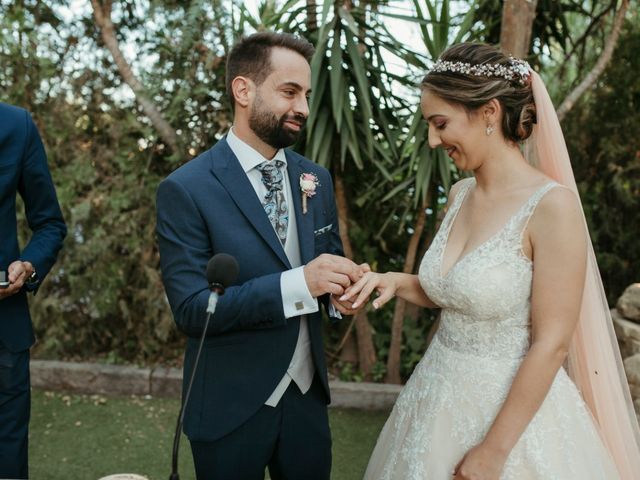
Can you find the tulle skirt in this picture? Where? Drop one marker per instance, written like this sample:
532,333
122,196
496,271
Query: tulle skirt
448,405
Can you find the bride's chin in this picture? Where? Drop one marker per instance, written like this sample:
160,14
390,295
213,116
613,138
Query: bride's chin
458,163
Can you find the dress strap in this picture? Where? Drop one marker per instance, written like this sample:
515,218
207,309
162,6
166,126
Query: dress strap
466,184
522,218
452,210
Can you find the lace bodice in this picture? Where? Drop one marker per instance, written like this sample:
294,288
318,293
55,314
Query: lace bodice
485,296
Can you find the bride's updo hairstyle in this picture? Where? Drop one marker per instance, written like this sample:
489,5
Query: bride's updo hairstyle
472,74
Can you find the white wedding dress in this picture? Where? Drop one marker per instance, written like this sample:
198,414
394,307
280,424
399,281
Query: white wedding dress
457,389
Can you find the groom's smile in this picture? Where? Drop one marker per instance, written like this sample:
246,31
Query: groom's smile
278,132
292,124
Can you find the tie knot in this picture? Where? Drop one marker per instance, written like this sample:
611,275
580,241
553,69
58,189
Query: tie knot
272,174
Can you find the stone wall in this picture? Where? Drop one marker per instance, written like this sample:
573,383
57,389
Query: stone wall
626,321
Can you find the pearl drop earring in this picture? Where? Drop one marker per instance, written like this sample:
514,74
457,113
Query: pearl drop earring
489,130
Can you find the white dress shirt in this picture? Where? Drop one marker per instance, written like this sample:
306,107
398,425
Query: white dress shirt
296,298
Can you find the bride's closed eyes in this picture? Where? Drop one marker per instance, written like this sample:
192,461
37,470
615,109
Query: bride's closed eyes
438,121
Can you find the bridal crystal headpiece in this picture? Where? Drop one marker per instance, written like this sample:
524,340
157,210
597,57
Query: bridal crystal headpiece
517,70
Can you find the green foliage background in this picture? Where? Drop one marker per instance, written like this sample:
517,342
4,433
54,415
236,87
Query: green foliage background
104,298
603,137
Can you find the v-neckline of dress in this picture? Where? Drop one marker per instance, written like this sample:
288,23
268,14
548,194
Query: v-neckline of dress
460,204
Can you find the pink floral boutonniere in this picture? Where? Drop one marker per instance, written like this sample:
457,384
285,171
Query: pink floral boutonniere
308,184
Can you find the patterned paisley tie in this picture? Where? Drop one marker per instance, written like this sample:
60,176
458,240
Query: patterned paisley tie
274,202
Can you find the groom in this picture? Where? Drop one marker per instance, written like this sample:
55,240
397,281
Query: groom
260,394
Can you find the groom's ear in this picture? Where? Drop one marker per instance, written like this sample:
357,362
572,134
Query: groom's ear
242,89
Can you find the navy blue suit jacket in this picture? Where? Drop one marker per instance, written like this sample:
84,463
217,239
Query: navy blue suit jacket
208,206
24,170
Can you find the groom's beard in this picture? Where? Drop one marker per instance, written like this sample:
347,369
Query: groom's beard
271,129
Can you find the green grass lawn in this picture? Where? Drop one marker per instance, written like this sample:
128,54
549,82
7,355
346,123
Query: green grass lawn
82,437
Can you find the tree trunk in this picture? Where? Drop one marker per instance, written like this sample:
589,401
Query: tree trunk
312,16
517,24
102,15
349,348
601,64
393,361
364,333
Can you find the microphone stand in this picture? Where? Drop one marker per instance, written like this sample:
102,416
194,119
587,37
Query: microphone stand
217,289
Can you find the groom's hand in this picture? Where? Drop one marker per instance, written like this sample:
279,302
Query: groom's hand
345,307
330,274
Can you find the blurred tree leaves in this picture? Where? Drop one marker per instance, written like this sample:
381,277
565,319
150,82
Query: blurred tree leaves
603,141
104,294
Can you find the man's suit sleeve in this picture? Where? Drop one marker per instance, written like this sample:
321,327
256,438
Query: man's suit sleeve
185,249
41,205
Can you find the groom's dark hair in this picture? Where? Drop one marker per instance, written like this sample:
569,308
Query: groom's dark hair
251,56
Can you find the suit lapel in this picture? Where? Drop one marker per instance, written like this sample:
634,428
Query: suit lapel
303,221
226,167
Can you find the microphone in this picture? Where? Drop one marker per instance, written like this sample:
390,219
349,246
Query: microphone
222,270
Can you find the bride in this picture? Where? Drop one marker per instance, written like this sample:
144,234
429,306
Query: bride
523,378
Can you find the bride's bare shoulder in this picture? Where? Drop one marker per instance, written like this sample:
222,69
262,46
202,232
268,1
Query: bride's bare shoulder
559,201
558,210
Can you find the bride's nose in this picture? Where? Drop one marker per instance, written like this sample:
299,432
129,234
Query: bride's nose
434,138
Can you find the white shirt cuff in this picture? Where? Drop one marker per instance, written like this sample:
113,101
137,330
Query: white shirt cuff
296,298
333,311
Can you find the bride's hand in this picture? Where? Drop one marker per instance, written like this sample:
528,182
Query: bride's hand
384,284
480,463
345,307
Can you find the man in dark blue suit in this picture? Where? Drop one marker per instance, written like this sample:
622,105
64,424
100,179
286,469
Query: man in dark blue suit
23,170
260,394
